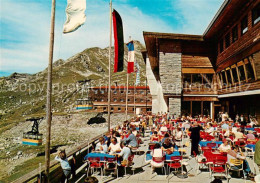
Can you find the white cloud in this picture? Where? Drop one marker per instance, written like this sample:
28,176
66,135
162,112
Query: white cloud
32,20
29,25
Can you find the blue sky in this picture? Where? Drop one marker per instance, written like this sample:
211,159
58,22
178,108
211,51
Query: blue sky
25,26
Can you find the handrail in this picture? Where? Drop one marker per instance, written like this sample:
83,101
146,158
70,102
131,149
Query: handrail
33,174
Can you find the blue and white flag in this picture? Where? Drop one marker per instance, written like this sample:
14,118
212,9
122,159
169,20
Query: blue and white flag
137,81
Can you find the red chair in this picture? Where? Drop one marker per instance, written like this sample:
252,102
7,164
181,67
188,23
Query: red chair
206,149
175,163
94,162
130,160
159,160
209,138
219,166
111,164
212,145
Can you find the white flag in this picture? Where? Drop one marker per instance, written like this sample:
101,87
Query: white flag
75,12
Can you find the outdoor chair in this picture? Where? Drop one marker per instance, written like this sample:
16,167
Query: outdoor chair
219,166
174,163
238,167
94,162
111,164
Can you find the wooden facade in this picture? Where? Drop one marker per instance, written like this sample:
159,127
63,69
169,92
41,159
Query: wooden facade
221,66
142,97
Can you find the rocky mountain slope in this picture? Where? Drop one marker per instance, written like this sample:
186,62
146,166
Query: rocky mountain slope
24,95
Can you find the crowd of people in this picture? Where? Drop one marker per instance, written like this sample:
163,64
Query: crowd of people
167,133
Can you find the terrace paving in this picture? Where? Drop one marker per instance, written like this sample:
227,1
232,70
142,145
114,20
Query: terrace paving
143,172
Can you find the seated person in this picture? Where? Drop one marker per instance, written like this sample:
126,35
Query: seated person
117,136
225,126
163,129
125,153
236,153
238,134
101,145
155,137
210,129
250,135
225,147
178,136
114,146
167,146
157,152
131,140
165,137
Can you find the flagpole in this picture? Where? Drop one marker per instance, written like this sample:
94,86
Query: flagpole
126,100
49,94
134,97
109,66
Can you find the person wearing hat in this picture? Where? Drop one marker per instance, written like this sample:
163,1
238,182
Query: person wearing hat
224,147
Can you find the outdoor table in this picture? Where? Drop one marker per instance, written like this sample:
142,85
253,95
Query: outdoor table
250,146
204,143
98,155
167,157
250,129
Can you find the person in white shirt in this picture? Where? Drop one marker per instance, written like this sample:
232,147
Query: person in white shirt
225,147
210,130
178,137
238,134
114,146
101,145
157,153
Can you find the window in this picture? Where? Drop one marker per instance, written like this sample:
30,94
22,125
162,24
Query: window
196,80
102,100
227,40
121,100
234,34
96,92
129,91
224,78
186,80
229,76
119,109
142,100
115,92
249,70
122,91
256,14
244,25
221,48
104,108
95,99
112,108
234,73
241,73
115,100
142,92
135,100
128,100
207,80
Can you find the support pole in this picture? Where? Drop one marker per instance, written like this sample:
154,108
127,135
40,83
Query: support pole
126,98
109,66
49,94
134,99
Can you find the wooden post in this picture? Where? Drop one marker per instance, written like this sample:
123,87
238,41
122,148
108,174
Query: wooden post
134,99
126,100
49,94
109,67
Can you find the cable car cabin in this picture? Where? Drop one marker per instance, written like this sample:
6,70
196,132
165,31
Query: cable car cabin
82,104
33,137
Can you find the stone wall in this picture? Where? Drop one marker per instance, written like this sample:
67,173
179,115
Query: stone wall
170,73
175,106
